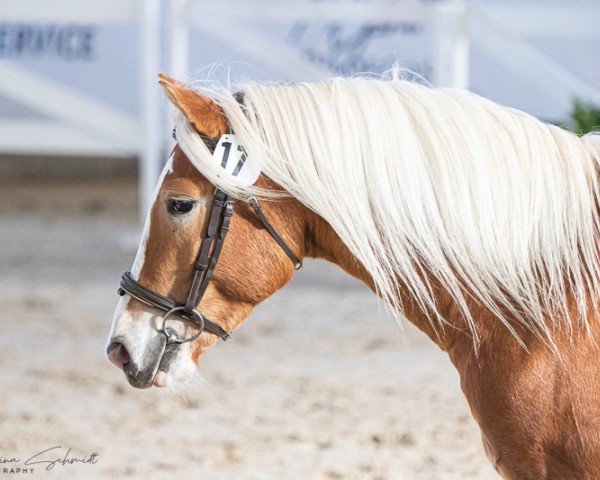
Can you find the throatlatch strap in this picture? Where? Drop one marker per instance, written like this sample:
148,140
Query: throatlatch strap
287,250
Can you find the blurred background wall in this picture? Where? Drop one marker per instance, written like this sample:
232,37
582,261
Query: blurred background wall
78,77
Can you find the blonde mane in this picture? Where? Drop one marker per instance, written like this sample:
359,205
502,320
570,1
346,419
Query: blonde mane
417,181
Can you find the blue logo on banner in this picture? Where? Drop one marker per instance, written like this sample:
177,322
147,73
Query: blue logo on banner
70,42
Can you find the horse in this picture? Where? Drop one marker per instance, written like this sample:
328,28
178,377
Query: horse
476,222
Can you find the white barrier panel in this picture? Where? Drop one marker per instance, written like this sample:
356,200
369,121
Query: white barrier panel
43,46
61,82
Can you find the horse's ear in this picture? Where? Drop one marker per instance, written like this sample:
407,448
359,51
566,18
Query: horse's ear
200,111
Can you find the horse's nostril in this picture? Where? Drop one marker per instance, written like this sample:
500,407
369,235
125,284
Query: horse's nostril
118,354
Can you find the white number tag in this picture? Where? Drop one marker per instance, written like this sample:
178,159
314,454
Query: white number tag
232,158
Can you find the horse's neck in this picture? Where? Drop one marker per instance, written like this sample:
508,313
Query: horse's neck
322,242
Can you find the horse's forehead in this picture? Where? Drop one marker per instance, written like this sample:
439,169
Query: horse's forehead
183,168
184,178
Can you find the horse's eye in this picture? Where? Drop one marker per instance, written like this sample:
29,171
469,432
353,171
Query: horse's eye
179,206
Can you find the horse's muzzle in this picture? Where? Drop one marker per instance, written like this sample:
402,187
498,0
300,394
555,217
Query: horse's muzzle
138,375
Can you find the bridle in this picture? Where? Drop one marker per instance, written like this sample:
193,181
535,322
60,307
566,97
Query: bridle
210,250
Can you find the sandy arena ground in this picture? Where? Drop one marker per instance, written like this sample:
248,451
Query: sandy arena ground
315,385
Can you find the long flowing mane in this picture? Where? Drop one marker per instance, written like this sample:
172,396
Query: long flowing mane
420,182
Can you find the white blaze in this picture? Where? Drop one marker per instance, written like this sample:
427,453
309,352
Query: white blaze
140,256
138,262
140,331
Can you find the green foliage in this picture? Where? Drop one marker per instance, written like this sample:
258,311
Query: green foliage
585,117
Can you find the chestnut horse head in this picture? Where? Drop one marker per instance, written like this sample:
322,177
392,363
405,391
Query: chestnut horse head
249,269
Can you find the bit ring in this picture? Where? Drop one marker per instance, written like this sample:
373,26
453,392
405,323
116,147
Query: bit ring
196,318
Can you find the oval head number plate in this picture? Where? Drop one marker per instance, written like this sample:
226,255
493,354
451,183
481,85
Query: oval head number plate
232,158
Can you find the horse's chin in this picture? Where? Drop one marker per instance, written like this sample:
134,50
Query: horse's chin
176,366
161,367
173,376
162,379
